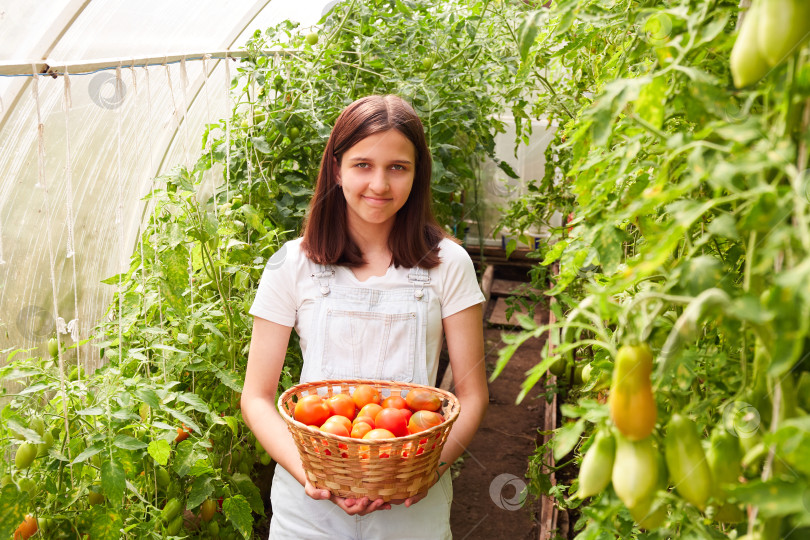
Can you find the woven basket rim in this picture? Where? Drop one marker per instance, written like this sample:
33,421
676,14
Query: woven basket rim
373,382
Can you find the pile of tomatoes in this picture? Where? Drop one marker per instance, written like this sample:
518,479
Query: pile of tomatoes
365,414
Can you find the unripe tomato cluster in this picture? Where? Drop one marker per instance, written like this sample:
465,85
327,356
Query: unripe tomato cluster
639,466
365,414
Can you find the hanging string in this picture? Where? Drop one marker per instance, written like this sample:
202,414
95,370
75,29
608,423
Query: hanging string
42,182
210,149
184,84
227,129
73,325
155,221
119,217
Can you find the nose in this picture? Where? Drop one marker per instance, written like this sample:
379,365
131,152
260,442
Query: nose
379,181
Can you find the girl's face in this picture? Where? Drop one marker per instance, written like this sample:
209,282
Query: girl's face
377,175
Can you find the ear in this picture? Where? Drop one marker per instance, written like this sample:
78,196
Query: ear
336,168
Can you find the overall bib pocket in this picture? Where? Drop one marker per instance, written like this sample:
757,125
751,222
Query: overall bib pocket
360,344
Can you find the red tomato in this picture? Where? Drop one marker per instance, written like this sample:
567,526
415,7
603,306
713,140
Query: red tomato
340,420
422,420
370,410
365,394
311,410
343,405
379,434
423,400
393,420
360,429
396,402
407,413
364,419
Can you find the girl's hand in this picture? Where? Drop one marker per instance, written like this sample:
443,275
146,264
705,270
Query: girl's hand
353,507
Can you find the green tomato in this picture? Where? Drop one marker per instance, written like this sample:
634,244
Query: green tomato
595,471
747,63
686,461
427,63
783,26
635,470
293,132
26,453
312,38
53,347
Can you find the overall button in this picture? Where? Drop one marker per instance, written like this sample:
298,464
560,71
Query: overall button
324,290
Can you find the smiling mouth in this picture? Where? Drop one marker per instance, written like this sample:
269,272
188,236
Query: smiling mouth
376,200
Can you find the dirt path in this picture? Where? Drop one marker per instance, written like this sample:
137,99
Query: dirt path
487,502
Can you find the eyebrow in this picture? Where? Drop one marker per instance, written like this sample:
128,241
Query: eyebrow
403,161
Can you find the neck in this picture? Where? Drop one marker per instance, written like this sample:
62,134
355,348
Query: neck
371,239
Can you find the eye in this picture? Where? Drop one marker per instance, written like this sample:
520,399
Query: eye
362,165
398,167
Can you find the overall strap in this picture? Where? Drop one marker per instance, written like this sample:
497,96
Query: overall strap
322,277
418,277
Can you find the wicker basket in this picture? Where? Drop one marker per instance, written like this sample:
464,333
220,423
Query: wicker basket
389,469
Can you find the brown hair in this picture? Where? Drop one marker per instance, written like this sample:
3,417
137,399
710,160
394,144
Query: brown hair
415,236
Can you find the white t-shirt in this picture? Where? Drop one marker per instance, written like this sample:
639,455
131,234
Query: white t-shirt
287,292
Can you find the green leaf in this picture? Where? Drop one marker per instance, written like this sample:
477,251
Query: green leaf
774,498
248,488
228,379
233,423
650,103
13,507
184,418
252,218
91,451
160,450
128,443
195,401
185,456
148,396
106,524
566,438
237,510
201,489
527,33
113,481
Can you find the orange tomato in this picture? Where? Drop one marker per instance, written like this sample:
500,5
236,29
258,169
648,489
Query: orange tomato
396,402
335,428
423,400
341,420
26,529
393,420
364,420
365,394
343,405
182,433
311,410
422,420
379,434
370,410
360,429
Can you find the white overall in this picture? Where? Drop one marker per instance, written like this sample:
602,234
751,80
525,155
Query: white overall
371,334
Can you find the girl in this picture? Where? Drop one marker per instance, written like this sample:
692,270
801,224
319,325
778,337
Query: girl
370,288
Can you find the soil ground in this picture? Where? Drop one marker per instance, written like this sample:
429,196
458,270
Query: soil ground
487,502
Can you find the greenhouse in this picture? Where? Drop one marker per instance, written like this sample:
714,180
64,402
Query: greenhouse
405,269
